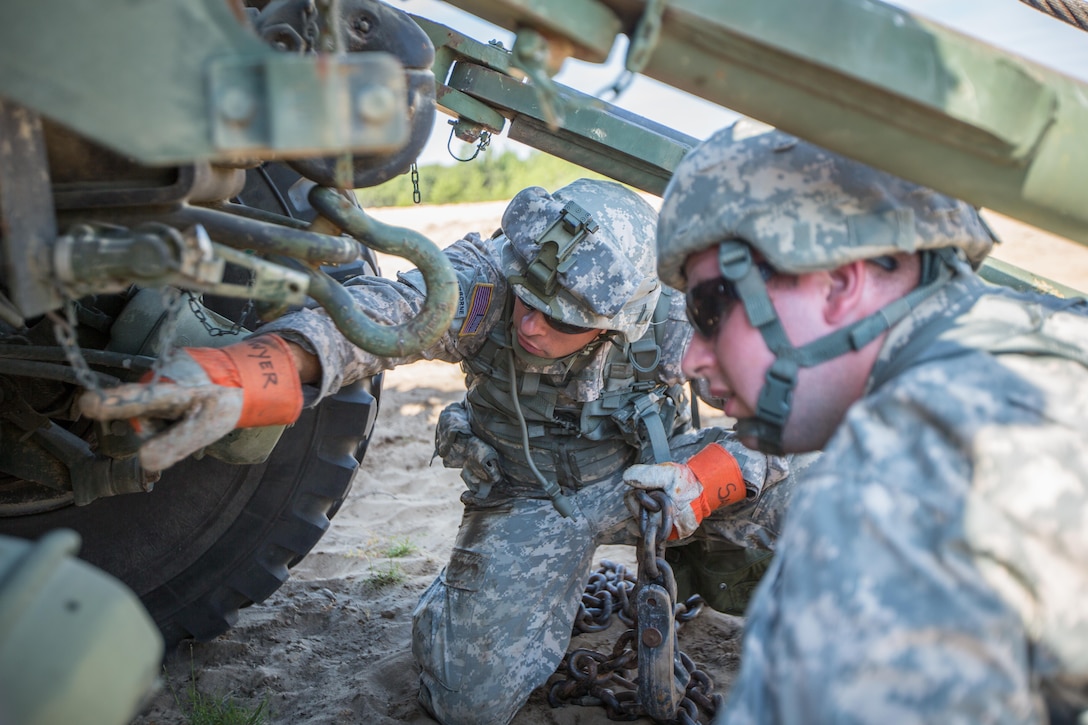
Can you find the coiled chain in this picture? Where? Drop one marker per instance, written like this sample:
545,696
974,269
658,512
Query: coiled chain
586,677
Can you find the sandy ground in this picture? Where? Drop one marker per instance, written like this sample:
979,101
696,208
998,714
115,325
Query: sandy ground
333,644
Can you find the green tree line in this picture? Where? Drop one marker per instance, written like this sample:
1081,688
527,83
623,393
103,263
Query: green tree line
488,177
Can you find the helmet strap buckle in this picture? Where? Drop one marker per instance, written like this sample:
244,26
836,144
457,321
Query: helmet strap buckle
734,260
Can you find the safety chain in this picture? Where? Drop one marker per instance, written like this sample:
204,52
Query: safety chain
586,677
64,330
310,31
198,312
416,196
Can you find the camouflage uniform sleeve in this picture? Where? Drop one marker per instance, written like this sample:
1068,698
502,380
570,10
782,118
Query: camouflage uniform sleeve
392,302
931,570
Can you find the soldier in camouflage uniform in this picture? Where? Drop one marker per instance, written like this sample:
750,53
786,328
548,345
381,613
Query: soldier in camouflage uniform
934,566
571,349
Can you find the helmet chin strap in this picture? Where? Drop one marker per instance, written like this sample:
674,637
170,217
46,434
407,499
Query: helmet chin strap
776,397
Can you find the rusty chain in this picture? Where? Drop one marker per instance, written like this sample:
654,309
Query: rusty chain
236,328
65,332
586,677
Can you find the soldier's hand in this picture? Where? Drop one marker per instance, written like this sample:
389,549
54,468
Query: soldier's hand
709,480
459,447
209,392
481,468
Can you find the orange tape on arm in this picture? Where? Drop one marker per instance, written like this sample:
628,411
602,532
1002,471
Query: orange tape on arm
264,368
720,475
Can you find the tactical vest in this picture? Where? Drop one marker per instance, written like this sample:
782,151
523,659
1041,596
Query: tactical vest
579,444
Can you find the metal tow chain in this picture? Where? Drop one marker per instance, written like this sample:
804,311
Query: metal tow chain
416,196
311,30
198,312
626,688
64,330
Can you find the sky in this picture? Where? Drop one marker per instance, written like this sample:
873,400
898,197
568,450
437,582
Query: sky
1009,24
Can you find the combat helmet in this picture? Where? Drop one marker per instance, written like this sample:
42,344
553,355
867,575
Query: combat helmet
751,188
584,255
802,207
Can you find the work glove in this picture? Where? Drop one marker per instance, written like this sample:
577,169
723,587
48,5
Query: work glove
210,392
459,447
710,479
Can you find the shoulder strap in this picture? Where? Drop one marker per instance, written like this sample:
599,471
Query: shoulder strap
645,353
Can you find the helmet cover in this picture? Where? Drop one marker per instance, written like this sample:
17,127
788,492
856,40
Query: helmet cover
802,207
584,255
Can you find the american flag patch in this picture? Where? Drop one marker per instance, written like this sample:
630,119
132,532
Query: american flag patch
477,308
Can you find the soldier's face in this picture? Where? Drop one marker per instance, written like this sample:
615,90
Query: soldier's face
735,358
541,339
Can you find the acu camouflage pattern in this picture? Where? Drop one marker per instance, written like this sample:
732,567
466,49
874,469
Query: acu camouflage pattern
934,567
496,622
610,283
802,207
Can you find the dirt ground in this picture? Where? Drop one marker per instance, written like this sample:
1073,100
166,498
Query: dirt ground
333,644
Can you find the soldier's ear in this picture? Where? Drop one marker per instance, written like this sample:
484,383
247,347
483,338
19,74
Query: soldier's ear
846,294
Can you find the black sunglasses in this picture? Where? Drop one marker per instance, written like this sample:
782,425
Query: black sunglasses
564,327
710,301
558,325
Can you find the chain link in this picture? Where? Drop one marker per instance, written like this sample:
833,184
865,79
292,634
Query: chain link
171,301
64,329
65,332
198,312
416,196
592,678
310,29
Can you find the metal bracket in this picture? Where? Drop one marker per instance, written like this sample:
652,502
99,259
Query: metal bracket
279,103
658,691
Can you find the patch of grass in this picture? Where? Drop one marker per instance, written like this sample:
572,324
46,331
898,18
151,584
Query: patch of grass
387,577
223,710
400,548
203,709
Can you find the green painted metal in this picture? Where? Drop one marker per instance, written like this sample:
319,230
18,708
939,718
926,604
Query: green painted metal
898,92
75,644
451,48
1009,275
894,90
589,25
438,308
592,133
179,81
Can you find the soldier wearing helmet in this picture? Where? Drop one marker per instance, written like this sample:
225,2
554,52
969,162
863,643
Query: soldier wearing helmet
571,349
932,568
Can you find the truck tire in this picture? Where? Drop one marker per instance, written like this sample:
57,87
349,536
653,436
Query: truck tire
213,538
